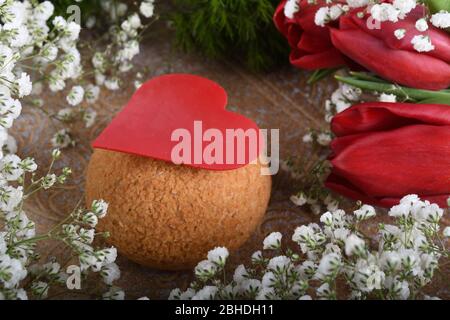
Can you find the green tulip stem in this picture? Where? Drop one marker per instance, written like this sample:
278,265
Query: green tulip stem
320,74
415,95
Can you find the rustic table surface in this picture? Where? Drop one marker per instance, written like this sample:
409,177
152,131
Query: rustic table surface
281,100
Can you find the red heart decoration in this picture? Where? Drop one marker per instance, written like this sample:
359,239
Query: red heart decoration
170,102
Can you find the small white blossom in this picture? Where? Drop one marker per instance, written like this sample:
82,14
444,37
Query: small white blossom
365,212
147,8
441,19
422,43
240,274
24,85
400,33
385,12
422,25
291,8
354,245
357,3
384,97
110,273
273,241
206,293
298,200
322,16
75,96
446,232
218,255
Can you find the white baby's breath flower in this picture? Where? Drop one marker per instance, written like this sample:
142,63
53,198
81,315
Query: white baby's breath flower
110,273
291,8
147,8
273,241
324,138
422,25
11,168
48,181
205,269
404,7
385,12
446,232
90,219
322,16
257,257
112,84
279,264
89,117
62,139
357,3
400,33
206,293
441,19
240,274
76,95
218,255
384,97
422,43
329,266
299,200
266,294
24,85
354,245
92,93
365,212
100,208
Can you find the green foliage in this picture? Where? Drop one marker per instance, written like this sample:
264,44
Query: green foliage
438,5
241,29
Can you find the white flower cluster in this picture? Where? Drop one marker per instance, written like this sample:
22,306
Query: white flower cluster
341,99
399,9
122,43
386,11
291,8
26,35
402,263
53,53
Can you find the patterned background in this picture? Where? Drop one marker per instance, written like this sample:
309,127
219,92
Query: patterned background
280,99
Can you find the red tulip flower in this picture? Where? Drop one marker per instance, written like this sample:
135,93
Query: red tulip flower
384,151
380,51
311,44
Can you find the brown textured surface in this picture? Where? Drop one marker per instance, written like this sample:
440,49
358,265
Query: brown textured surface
280,99
169,217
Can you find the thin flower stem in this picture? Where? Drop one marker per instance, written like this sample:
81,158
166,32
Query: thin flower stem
414,95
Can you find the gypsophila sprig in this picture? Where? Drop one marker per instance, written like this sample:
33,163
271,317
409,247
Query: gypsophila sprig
399,266
49,47
29,40
22,274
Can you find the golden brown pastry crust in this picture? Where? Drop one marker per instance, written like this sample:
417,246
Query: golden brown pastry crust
167,216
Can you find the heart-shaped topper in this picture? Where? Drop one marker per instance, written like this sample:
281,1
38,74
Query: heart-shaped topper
182,119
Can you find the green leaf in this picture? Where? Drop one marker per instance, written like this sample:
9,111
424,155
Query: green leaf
438,5
321,74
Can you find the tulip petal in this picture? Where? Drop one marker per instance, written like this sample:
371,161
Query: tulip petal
409,160
386,33
343,187
382,116
408,68
323,60
313,43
